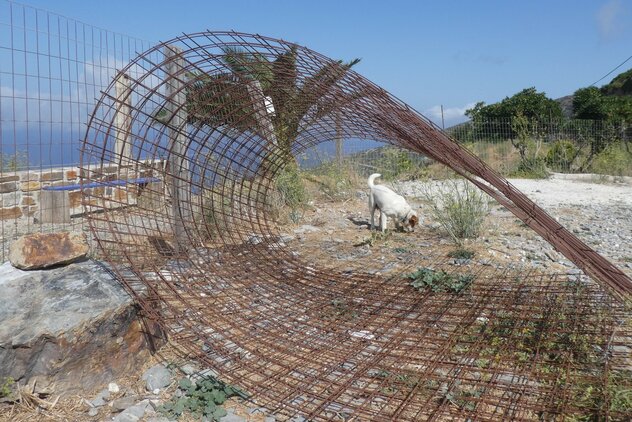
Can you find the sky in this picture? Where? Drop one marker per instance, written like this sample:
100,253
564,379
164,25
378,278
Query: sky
427,53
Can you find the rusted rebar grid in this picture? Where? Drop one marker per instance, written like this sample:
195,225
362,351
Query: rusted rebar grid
215,119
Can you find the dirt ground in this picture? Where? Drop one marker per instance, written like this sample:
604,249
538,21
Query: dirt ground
335,234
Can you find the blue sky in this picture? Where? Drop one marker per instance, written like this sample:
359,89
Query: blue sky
427,53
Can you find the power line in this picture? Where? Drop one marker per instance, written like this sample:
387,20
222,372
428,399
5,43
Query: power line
606,75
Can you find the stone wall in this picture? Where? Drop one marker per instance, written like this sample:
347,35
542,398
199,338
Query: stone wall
24,197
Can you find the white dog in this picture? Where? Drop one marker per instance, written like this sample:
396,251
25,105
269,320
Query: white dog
390,204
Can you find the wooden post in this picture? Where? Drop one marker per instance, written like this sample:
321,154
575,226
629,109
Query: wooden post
178,163
338,140
123,120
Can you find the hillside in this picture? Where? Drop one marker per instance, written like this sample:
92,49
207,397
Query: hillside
620,85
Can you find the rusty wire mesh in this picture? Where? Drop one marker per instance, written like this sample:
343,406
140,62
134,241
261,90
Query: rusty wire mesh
179,170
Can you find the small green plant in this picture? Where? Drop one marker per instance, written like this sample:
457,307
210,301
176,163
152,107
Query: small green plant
439,281
5,387
400,250
458,207
461,253
394,381
339,309
202,398
374,238
459,396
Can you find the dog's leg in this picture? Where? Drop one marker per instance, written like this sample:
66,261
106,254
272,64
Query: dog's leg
372,208
382,221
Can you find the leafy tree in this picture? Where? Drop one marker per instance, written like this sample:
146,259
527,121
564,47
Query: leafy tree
589,103
528,103
495,120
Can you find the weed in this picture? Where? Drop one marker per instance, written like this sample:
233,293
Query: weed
374,238
339,309
397,381
459,208
291,191
461,253
400,250
5,387
202,398
439,281
460,396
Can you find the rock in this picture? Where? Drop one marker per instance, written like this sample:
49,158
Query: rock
133,413
124,402
71,328
101,398
158,419
189,368
231,417
113,387
42,250
306,228
157,377
93,412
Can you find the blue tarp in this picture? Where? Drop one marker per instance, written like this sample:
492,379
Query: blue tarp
140,180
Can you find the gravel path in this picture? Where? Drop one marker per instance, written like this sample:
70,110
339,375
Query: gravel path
597,209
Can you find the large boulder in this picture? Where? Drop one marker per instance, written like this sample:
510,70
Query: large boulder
42,250
71,328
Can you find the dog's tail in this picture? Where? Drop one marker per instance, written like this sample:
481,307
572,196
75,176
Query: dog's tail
372,178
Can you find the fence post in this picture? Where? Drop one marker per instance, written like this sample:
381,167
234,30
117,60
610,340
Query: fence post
177,132
338,140
123,119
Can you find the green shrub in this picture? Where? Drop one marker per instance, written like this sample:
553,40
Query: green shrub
561,155
531,168
459,207
614,161
439,281
291,191
202,398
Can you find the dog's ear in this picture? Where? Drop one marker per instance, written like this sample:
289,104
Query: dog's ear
413,221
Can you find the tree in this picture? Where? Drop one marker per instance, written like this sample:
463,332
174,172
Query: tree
495,120
590,103
528,103
226,99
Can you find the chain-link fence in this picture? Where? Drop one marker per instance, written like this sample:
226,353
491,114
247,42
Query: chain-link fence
514,147
531,147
